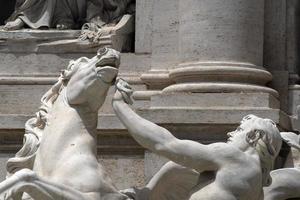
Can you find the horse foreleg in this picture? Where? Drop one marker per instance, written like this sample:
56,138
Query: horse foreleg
39,189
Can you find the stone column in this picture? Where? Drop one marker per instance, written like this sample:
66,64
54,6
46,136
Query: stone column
220,47
218,75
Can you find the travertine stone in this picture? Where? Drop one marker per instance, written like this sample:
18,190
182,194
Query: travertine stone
164,115
219,87
280,83
153,163
29,75
219,71
162,44
20,99
277,41
32,35
54,41
217,30
31,64
134,64
214,100
183,115
165,24
275,35
294,108
125,171
220,45
292,43
157,79
46,64
144,23
3,160
294,98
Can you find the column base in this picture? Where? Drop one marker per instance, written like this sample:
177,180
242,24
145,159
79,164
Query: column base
219,77
221,87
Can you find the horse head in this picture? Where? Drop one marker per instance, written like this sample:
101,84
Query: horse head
90,79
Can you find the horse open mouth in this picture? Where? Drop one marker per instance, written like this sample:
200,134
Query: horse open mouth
108,57
108,61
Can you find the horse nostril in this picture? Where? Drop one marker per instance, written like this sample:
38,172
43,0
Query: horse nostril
229,134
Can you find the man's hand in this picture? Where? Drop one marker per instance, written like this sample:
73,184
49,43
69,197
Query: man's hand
131,193
123,91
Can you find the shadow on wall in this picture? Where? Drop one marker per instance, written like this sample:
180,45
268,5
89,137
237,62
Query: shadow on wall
6,8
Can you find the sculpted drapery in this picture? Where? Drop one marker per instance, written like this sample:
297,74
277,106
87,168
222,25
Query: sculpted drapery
68,13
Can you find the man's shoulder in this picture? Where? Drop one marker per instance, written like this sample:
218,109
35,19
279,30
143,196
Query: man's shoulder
228,153
224,148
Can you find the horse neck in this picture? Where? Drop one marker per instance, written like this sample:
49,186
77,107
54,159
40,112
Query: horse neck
80,112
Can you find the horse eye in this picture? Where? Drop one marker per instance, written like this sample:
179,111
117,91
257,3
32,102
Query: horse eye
102,51
84,59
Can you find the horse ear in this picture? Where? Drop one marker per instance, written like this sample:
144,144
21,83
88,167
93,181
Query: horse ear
107,74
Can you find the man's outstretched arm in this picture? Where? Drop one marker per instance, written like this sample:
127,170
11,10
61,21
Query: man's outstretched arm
161,141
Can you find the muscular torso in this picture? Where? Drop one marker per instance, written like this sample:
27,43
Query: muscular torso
238,180
67,153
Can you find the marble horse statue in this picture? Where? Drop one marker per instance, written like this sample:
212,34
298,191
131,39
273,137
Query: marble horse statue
58,160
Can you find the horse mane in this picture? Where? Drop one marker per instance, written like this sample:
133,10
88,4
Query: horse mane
34,127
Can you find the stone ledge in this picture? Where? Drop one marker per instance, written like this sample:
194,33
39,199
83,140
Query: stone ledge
205,125
219,87
215,100
176,115
32,41
49,65
50,79
30,34
17,80
107,144
221,115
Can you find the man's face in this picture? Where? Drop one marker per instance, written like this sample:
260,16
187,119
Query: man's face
239,135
